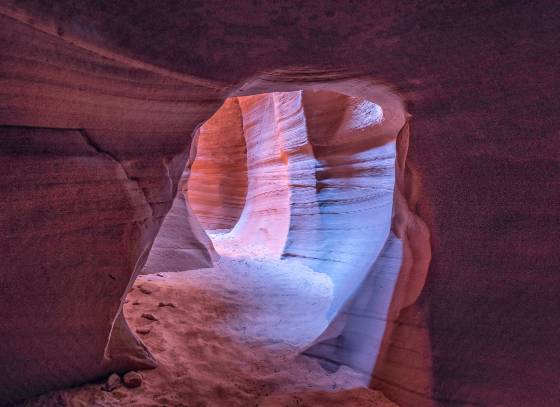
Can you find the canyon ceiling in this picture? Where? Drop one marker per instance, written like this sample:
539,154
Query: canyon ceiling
100,103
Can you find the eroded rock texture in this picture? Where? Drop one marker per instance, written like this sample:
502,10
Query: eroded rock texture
321,176
98,105
320,170
92,150
320,173
217,183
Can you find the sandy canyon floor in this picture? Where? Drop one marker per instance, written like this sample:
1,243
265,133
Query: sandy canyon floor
230,336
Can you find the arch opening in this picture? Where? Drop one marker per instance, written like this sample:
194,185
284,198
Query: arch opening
318,185
309,176
290,218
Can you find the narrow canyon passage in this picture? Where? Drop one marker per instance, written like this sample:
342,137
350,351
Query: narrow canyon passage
324,191
268,241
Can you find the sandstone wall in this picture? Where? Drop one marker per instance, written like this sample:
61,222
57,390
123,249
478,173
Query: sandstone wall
217,186
320,179
479,80
92,149
321,176
181,243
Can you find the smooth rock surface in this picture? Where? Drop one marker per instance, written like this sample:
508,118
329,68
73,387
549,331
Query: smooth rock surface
217,186
480,180
181,243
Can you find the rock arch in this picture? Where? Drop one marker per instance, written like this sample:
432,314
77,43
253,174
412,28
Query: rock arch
315,159
99,98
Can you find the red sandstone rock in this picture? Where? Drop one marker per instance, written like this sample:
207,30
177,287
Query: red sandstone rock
217,186
132,379
113,381
98,105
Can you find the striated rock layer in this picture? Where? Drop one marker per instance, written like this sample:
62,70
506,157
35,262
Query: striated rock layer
320,169
321,176
217,184
98,105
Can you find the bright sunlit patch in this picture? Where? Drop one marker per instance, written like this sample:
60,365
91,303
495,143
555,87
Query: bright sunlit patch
365,114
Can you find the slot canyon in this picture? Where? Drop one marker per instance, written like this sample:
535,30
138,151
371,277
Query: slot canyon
279,203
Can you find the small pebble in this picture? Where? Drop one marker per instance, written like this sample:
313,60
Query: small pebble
145,290
132,379
113,381
167,304
136,303
143,331
151,317
159,274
